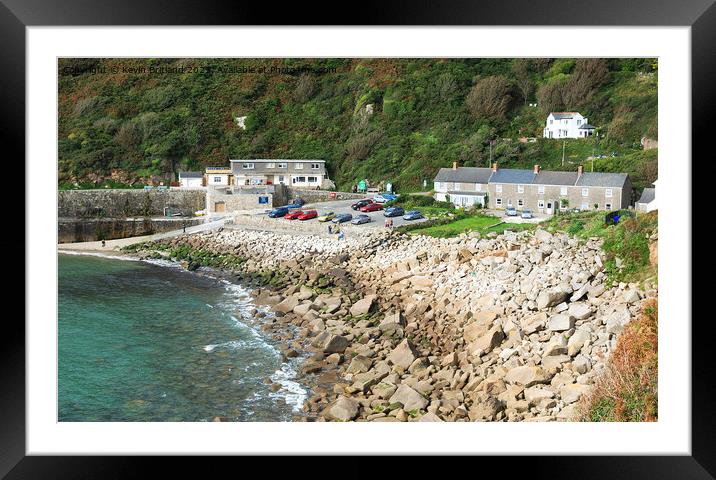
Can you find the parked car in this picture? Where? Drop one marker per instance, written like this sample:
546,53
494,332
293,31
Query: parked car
327,217
342,217
291,206
278,212
293,215
307,215
372,207
361,203
412,215
394,212
384,197
361,219
511,211
526,214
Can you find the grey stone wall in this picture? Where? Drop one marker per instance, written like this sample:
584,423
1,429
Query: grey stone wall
91,229
127,203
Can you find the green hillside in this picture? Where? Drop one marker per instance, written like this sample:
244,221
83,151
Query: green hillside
124,121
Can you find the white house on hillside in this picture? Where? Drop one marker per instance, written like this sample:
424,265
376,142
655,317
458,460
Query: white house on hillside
567,125
647,202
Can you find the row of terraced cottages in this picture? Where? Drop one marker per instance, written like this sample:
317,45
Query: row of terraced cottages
536,190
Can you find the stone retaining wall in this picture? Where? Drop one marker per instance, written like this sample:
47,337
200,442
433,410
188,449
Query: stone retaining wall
127,203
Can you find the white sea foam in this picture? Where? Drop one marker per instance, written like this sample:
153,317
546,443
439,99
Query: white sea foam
100,254
291,390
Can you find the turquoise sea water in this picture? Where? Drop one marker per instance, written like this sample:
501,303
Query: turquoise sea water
144,342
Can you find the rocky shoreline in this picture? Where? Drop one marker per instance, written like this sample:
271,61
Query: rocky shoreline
394,327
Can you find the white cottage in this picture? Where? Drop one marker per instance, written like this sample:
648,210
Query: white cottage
567,125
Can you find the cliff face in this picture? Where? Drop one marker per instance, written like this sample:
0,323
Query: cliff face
123,121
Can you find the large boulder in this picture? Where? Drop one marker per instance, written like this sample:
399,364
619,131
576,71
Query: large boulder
527,376
580,310
344,409
560,322
573,392
486,343
409,398
533,323
362,306
287,305
330,343
359,364
550,298
403,355
577,341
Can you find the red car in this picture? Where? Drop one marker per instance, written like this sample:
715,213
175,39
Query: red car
308,214
371,207
293,215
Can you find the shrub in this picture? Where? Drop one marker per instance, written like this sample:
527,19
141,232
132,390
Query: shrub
628,390
490,97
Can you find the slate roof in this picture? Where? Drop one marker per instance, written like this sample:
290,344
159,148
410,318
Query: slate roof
191,175
563,115
587,126
555,178
600,179
648,195
462,192
510,175
464,175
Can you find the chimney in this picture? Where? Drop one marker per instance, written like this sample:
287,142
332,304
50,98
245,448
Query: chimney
536,170
494,167
580,171
454,165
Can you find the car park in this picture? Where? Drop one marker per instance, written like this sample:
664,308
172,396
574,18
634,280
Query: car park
307,215
511,211
342,217
526,214
394,212
413,215
278,212
293,215
361,203
360,219
327,217
371,207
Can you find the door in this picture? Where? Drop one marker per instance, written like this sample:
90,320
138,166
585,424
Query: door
550,209
220,207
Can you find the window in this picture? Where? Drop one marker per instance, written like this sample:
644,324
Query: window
298,179
540,189
281,179
579,122
608,193
271,165
608,206
498,188
312,179
585,192
217,179
247,166
478,187
520,203
509,202
498,202
520,189
563,191
299,166
540,204
551,122
281,165
315,166
584,207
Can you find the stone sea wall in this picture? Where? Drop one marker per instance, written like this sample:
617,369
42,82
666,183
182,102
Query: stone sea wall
127,203
511,327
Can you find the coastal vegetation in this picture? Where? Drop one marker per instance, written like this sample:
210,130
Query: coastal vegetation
399,120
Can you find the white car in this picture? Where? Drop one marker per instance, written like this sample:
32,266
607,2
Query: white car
526,214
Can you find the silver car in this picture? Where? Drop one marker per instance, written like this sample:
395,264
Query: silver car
360,219
526,214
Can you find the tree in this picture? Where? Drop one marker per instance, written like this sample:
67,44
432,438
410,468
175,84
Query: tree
490,97
522,70
589,74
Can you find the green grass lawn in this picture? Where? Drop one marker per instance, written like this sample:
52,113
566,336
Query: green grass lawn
479,223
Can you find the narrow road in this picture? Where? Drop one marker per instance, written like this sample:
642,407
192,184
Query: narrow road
114,245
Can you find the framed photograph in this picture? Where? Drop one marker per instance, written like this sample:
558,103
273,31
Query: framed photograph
430,238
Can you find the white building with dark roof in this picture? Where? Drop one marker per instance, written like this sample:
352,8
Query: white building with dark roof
647,201
191,179
567,125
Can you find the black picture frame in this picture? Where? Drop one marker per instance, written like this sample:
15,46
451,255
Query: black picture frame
16,15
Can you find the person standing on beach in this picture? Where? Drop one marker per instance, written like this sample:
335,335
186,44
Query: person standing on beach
103,243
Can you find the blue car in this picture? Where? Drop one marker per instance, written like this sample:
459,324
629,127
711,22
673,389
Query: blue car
393,212
413,215
279,212
384,198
